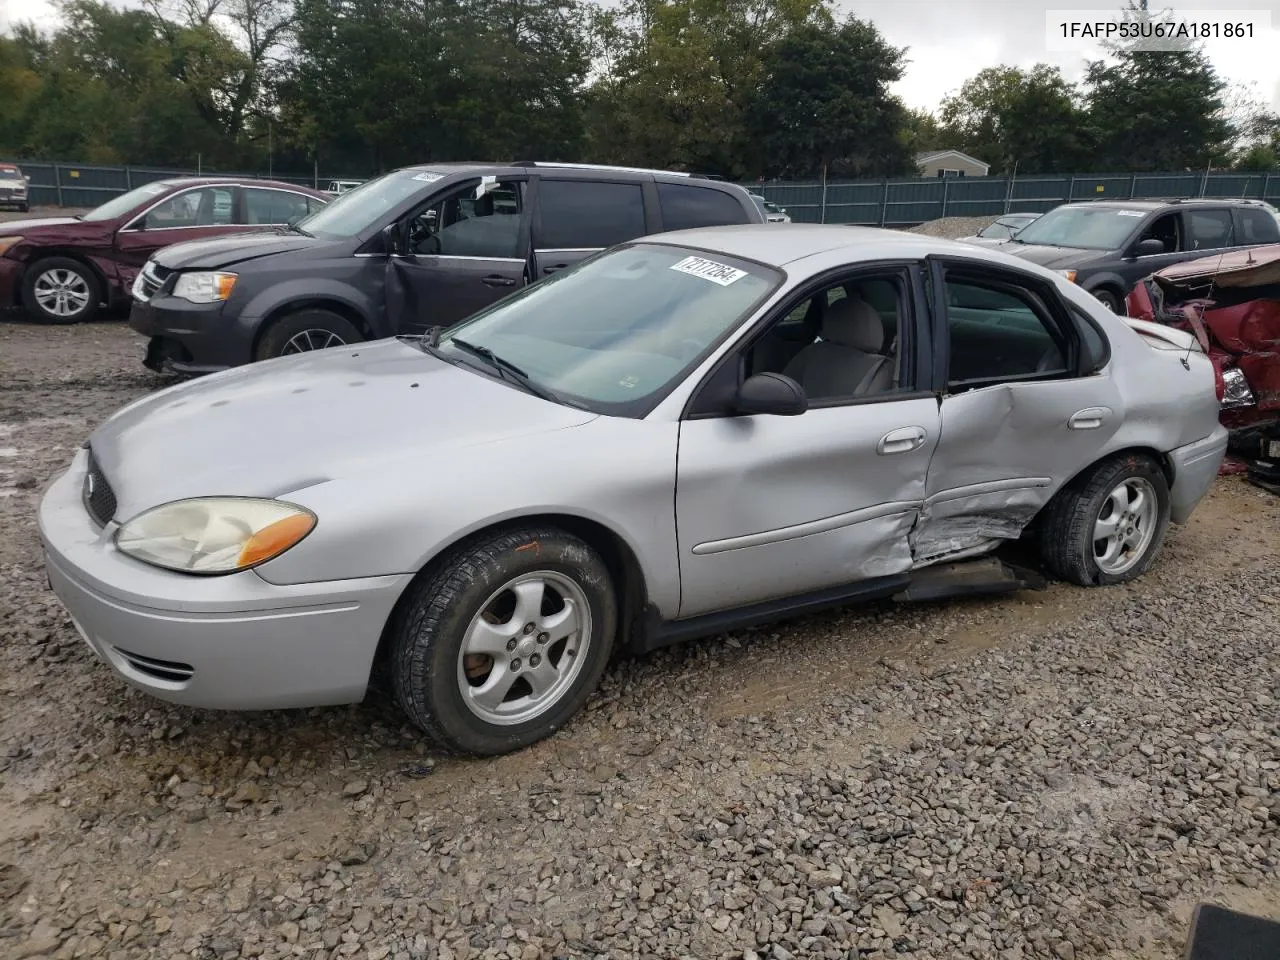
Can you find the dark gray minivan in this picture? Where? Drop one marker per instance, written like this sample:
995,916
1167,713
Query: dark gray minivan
416,248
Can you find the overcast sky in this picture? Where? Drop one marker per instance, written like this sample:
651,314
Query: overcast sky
950,40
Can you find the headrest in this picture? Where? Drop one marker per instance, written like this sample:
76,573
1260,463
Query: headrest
851,322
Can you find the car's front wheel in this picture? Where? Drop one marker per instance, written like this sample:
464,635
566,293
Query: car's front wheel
60,290
503,640
304,331
1107,526
1109,298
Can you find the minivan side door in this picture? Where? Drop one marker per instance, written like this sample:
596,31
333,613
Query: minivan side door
574,219
458,253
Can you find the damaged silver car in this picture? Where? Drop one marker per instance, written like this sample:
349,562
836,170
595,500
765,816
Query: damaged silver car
684,434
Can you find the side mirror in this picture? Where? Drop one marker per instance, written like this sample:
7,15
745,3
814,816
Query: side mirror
1148,247
391,240
771,393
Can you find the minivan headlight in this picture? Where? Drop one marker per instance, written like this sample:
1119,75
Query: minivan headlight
204,287
214,535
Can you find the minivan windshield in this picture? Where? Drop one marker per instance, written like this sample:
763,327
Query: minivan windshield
1088,228
119,206
357,209
615,332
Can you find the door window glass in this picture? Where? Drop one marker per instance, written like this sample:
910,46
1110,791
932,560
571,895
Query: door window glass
206,207
841,342
1163,228
464,225
685,207
999,332
1209,229
273,206
1256,226
588,214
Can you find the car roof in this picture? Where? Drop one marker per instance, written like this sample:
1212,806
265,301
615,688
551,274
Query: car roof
1171,203
780,244
243,181
586,171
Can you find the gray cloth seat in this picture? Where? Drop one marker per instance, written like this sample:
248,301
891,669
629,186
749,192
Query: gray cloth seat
848,361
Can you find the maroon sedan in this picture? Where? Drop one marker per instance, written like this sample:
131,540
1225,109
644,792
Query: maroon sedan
62,269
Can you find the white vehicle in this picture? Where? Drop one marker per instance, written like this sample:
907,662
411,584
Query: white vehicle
339,187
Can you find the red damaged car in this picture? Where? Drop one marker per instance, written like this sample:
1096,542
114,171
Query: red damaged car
1231,303
63,269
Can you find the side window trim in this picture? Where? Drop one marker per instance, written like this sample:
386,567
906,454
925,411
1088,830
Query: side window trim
1043,296
913,321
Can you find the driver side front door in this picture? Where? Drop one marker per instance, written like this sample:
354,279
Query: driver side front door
461,253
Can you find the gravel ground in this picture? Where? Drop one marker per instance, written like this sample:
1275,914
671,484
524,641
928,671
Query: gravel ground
1059,774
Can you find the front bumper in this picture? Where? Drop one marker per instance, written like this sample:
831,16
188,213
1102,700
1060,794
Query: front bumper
190,337
1194,468
233,642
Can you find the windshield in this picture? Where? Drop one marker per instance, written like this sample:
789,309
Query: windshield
358,208
126,202
618,330
1088,228
10,173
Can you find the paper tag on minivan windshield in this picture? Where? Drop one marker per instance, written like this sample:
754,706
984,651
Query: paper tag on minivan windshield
720,273
1130,213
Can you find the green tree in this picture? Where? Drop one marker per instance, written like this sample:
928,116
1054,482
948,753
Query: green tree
1010,117
823,102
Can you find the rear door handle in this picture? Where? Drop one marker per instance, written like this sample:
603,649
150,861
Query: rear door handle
554,268
1090,418
902,440
496,281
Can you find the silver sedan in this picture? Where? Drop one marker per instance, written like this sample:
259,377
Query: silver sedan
682,435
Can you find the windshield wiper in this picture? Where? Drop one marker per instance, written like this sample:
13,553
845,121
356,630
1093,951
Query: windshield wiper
506,369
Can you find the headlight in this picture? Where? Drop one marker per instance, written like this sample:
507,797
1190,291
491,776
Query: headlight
212,535
1069,274
8,243
1235,389
204,287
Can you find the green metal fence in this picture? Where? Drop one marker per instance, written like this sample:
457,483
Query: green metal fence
908,202
902,202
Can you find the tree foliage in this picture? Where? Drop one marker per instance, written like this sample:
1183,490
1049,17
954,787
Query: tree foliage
738,88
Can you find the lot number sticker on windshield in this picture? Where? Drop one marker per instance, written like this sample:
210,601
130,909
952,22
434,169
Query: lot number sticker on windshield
1131,213
720,273
428,177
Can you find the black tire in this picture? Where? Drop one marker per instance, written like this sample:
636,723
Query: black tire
24,208
1067,526
431,622
278,336
66,267
1109,299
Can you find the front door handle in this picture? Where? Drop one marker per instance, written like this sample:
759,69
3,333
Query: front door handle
497,281
902,440
554,267
1090,418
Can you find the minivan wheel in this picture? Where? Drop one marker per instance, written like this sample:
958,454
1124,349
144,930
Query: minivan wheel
503,640
304,331
1107,526
1109,299
60,290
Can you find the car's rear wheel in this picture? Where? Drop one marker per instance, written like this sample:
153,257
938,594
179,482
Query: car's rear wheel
1109,298
60,290
503,640
307,330
1107,526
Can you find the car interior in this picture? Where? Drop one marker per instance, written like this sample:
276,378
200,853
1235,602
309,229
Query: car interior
1167,230
840,342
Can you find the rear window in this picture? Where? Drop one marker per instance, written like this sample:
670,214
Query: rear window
584,214
1256,226
684,207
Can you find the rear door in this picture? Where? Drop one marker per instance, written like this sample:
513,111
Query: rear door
1022,409
685,206
191,214
462,252
575,218
1255,225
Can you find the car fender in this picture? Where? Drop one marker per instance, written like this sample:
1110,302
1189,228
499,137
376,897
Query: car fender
301,290
1104,278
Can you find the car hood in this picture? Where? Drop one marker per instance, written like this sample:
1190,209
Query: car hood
217,252
1055,258
271,428
62,229
978,241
